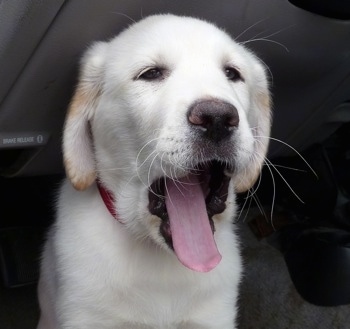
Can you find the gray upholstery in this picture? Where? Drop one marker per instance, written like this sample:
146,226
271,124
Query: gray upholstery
41,42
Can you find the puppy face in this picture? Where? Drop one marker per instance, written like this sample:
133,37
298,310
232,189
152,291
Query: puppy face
169,115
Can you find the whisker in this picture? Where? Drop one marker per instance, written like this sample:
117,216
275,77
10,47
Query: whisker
250,27
279,31
254,190
292,148
191,168
124,15
289,168
150,168
161,165
149,186
268,69
168,195
267,40
138,168
269,164
284,180
258,204
273,196
140,151
243,207
260,207
251,195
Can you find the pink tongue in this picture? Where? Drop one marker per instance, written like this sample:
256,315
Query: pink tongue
192,236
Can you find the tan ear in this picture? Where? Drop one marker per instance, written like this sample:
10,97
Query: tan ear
78,152
260,121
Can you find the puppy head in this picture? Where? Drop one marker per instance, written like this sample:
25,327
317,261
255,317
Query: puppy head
169,115
146,80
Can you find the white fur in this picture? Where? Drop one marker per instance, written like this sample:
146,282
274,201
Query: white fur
101,273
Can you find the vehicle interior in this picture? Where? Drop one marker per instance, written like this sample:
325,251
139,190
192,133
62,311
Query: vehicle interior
295,226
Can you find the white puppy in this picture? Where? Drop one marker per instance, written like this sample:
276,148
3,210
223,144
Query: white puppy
168,121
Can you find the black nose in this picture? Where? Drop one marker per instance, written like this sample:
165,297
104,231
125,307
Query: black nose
214,119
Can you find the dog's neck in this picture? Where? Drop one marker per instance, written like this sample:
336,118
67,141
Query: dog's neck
108,199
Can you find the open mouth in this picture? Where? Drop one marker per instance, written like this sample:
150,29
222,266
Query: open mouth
187,206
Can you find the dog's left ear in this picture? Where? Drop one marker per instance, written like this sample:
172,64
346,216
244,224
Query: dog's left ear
78,152
259,118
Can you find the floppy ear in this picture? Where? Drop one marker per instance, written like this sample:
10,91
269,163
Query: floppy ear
78,152
259,119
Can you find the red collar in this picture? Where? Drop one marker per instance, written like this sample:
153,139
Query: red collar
108,199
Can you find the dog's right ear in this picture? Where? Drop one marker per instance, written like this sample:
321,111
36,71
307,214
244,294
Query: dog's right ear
78,152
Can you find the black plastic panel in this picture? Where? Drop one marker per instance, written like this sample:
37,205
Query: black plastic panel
339,9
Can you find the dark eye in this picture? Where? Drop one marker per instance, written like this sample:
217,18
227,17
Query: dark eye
154,73
233,74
